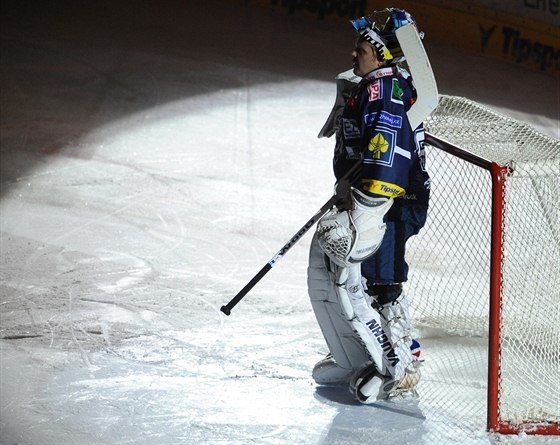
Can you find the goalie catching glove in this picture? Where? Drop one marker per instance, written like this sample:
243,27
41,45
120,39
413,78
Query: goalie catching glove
352,236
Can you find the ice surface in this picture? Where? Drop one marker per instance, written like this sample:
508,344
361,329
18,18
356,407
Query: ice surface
154,158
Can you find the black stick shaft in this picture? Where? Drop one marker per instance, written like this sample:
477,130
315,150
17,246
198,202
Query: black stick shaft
226,309
347,179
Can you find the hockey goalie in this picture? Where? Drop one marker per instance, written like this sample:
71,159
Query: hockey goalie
357,259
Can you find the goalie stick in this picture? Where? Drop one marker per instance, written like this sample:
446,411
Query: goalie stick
341,190
427,101
422,74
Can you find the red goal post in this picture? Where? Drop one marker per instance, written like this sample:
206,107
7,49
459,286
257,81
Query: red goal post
485,271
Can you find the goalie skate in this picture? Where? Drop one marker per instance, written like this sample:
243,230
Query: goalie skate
406,387
369,386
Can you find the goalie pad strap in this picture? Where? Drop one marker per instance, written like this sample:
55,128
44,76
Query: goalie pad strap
385,293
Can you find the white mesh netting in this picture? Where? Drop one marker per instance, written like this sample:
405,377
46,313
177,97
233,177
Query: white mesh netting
450,267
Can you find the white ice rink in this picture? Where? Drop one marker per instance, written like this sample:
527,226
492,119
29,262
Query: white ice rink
154,156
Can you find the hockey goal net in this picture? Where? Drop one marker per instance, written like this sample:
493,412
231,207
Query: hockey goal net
484,279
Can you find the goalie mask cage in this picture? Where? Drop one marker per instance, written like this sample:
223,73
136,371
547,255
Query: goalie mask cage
484,278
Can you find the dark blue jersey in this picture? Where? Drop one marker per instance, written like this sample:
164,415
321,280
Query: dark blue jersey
374,126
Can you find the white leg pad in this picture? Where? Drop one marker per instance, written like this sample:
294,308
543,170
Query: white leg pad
355,332
365,320
342,340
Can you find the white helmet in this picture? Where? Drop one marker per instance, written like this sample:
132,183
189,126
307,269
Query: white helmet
379,30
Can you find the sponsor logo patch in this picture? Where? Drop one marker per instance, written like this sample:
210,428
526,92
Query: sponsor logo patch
385,118
350,129
396,92
375,90
378,145
382,188
381,147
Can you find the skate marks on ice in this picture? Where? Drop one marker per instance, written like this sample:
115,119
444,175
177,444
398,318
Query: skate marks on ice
210,385
129,221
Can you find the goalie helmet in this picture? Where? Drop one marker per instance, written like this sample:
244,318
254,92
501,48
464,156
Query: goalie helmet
379,30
